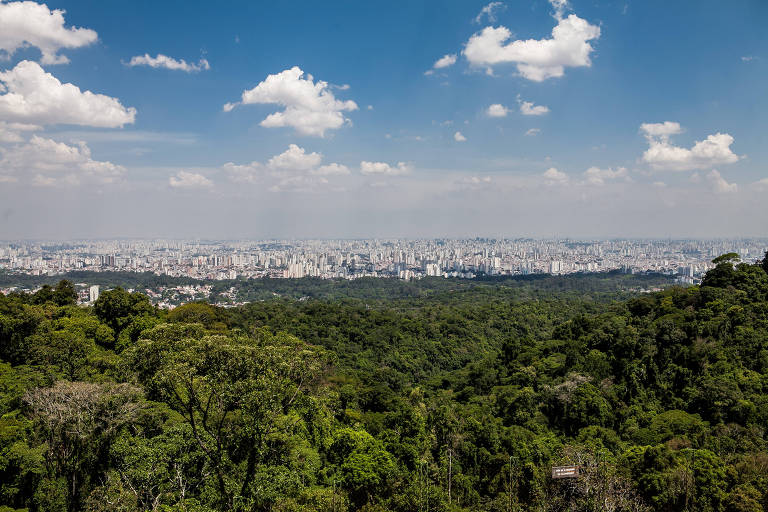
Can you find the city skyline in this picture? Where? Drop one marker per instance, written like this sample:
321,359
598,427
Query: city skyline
392,258
544,119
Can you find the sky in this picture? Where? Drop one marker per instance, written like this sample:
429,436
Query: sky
413,119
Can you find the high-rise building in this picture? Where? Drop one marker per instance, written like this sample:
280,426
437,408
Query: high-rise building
93,293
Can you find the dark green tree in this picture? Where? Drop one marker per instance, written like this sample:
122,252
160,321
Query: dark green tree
65,294
117,308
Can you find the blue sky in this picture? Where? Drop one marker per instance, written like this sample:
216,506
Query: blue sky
638,119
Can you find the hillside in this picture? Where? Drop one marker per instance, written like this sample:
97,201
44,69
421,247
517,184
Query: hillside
436,397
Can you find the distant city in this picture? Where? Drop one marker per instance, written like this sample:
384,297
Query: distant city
352,259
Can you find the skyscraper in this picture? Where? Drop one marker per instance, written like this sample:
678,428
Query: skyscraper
93,293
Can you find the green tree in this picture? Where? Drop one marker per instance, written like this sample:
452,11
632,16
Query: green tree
241,397
365,468
117,308
77,420
65,294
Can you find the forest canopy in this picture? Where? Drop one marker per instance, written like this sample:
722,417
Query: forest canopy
441,398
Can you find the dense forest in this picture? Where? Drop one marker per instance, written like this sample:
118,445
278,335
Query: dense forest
608,285
457,398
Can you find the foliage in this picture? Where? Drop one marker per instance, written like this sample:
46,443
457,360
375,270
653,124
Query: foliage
388,396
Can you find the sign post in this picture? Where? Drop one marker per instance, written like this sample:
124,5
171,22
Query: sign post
559,472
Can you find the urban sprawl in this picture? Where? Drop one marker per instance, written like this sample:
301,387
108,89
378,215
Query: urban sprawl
351,259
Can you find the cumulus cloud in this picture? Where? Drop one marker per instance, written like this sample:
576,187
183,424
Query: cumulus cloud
527,108
24,24
536,59
164,61
554,177
56,163
445,61
10,132
384,169
489,12
294,159
497,110
33,96
330,170
244,173
661,130
189,181
459,137
598,177
310,107
293,169
532,132
719,185
664,156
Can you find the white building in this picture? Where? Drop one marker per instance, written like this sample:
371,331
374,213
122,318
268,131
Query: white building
93,293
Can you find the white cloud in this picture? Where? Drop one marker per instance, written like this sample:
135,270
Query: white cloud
662,155
189,180
497,110
748,58
36,97
9,132
527,108
761,184
458,137
661,130
57,163
382,168
597,176
536,59
164,61
330,170
560,7
310,108
488,12
294,159
247,173
554,177
28,23
293,169
445,61
719,185
532,132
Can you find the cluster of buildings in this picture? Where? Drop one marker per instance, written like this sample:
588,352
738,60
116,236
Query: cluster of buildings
350,259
